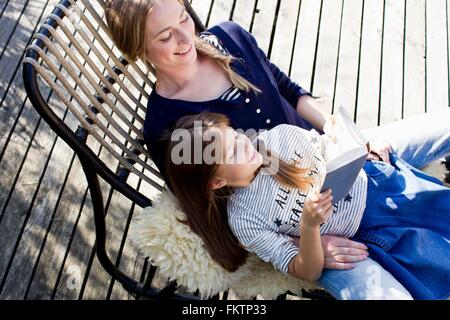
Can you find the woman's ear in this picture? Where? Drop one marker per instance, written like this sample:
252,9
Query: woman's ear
217,183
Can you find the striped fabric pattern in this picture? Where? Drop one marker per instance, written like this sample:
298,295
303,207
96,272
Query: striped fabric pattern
233,92
265,216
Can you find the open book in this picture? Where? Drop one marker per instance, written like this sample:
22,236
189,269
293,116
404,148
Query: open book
345,157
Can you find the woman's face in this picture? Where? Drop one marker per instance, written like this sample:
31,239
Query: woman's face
169,35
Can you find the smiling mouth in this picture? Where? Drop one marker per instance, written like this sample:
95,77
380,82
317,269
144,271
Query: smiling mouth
185,51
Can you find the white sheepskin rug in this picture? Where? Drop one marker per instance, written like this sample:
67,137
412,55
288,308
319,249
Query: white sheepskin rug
438,170
180,255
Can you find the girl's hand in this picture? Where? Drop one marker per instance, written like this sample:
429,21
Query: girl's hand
379,150
317,209
341,253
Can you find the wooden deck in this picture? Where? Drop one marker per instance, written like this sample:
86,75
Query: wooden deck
384,59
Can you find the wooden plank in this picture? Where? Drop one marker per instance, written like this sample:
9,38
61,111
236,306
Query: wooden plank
3,4
71,264
202,9
73,224
99,279
67,218
221,11
263,22
40,216
391,100
414,80
437,56
16,210
326,63
12,93
243,13
9,20
13,106
41,209
22,26
283,40
130,261
305,43
16,199
14,154
348,63
370,65
61,230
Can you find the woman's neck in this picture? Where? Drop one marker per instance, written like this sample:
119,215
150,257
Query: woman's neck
171,81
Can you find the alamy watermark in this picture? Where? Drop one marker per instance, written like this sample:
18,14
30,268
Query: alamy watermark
225,146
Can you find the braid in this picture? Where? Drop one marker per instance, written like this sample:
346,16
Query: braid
224,60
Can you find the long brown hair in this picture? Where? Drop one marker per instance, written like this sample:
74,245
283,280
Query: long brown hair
126,22
205,208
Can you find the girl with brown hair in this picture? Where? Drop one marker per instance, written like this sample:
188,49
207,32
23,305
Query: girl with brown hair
236,197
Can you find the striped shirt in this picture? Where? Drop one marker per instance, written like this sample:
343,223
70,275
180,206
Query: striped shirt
265,216
233,92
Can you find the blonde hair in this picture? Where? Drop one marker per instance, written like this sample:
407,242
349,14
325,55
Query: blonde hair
126,22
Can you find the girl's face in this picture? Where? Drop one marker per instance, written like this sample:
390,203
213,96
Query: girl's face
240,160
169,35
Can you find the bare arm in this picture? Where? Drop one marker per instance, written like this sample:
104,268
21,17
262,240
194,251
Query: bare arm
309,109
309,262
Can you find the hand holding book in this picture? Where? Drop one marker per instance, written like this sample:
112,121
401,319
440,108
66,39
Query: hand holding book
346,152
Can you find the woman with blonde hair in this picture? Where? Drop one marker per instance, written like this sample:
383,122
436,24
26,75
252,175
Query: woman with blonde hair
223,70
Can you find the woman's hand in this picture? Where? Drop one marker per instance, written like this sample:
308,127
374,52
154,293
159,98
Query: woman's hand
341,253
379,150
317,209
329,128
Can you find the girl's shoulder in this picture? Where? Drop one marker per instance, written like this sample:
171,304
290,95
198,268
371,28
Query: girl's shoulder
283,131
286,139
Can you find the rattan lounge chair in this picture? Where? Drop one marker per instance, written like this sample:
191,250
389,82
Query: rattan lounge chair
105,96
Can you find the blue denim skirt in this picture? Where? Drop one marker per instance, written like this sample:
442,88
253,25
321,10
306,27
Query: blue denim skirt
406,226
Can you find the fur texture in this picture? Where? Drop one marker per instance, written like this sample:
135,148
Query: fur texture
437,169
180,255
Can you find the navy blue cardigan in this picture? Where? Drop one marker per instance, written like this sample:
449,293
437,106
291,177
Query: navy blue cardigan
275,105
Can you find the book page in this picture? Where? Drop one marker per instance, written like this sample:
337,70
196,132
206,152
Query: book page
345,157
348,137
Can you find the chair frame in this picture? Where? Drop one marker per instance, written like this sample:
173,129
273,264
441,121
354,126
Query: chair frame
93,167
